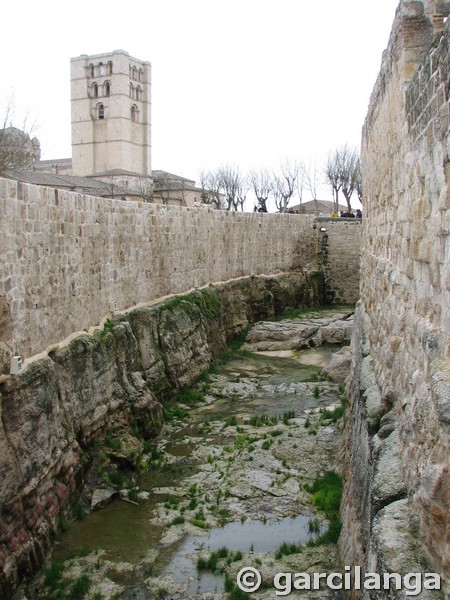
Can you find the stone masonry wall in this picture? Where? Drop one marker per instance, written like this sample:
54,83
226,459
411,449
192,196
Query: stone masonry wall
339,252
396,497
66,257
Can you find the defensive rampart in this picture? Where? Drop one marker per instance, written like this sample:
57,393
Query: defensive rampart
66,258
396,501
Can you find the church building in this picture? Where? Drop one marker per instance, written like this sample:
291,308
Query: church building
111,114
111,136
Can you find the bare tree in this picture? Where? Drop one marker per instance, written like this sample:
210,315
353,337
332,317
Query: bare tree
145,188
233,186
111,185
333,176
166,186
358,185
285,184
241,194
311,175
343,173
211,188
17,148
183,192
262,185
301,181
350,171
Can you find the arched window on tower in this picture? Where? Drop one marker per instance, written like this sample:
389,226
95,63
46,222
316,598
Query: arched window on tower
101,111
95,90
138,93
141,75
91,70
134,73
110,70
107,88
134,113
101,69
131,90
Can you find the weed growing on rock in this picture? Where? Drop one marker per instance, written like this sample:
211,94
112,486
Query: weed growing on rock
212,562
233,591
53,575
333,415
326,496
285,549
199,523
80,588
174,412
133,495
193,489
290,414
192,504
313,526
63,524
188,396
113,442
230,422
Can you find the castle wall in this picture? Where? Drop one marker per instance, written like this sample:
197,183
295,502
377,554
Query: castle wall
68,256
339,253
397,430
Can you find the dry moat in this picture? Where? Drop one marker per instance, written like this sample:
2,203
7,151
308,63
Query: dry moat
245,472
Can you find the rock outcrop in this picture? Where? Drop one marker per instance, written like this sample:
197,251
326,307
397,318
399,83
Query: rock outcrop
301,333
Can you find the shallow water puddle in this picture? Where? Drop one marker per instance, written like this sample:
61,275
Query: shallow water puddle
251,536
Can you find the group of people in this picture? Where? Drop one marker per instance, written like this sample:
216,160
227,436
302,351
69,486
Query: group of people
343,214
347,214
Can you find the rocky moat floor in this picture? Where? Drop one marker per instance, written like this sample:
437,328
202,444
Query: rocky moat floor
232,482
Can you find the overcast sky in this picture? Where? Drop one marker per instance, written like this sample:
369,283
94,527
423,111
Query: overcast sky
241,82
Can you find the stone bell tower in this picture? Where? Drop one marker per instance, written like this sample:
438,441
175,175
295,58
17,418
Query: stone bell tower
111,118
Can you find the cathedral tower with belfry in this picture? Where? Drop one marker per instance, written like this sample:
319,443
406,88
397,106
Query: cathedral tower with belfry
111,115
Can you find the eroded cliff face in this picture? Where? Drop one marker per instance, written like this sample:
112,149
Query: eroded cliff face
396,442
122,373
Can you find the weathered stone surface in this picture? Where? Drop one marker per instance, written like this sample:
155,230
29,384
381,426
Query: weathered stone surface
388,424
102,497
388,479
371,394
338,332
339,366
300,333
440,387
395,547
